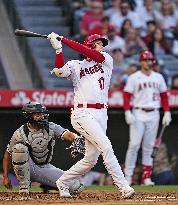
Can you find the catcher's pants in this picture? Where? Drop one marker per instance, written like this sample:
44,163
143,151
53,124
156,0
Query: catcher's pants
143,130
92,124
45,174
26,170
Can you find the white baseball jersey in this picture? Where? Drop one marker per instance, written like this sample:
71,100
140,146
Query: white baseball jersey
146,89
91,80
41,143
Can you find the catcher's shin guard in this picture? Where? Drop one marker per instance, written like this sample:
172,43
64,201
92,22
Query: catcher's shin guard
21,167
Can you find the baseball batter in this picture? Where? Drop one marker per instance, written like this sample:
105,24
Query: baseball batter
31,148
91,80
148,91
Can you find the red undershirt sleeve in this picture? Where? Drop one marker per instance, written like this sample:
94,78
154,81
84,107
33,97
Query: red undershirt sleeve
59,61
164,101
92,54
127,97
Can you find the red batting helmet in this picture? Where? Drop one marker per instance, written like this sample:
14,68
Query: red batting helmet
89,41
146,55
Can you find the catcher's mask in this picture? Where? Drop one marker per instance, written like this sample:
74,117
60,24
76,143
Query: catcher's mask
89,41
34,107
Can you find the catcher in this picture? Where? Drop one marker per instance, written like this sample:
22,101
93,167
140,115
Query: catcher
31,150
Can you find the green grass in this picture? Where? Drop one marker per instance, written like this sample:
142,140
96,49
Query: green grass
15,189
137,188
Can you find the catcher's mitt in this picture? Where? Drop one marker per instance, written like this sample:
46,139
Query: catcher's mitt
77,147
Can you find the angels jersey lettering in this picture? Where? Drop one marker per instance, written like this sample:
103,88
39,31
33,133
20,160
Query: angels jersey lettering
90,79
146,89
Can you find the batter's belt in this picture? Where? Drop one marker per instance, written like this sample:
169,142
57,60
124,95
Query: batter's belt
96,105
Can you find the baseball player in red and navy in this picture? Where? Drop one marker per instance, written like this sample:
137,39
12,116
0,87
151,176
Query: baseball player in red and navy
148,91
91,80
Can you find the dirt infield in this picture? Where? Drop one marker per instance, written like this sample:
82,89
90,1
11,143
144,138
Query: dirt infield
90,197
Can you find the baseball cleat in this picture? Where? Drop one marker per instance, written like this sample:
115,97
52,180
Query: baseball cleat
127,192
63,189
148,182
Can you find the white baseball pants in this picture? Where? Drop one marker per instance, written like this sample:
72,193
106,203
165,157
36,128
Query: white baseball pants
143,130
92,124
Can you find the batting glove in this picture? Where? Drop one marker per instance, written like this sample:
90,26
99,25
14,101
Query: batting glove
166,118
129,117
56,43
56,71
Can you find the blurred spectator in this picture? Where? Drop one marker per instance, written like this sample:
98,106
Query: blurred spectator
108,180
125,27
118,61
114,41
113,9
130,70
97,178
146,13
175,41
166,17
13,179
136,178
151,26
92,18
133,4
176,9
103,28
121,70
119,67
125,13
78,9
159,45
93,177
134,44
174,85
157,68
162,171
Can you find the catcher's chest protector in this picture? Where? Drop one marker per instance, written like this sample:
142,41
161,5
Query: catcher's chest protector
40,144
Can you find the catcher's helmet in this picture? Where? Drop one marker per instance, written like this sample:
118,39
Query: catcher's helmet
89,41
35,107
146,55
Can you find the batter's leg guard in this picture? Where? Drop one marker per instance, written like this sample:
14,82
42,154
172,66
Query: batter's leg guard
146,175
20,162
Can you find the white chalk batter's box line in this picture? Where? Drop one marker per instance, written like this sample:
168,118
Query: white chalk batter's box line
157,198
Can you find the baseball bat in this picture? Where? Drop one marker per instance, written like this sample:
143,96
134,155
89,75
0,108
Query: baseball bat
26,33
158,142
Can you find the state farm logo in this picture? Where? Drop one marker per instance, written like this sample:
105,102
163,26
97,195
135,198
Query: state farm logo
54,98
20,98
45,97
